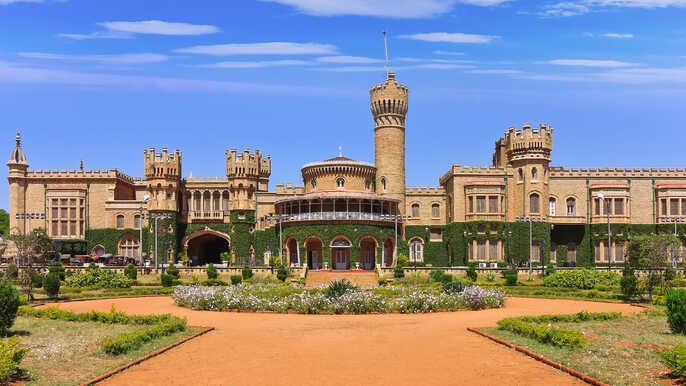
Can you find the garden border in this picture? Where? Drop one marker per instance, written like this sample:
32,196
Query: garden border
586,378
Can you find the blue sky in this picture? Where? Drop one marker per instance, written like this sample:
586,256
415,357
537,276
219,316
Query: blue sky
103,80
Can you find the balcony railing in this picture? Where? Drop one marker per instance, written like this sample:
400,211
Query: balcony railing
207,215
332,216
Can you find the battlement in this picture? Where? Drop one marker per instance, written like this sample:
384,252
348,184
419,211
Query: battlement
465,170
80,174
246,164
431,190
162,165
557,171
527,143
288,188
389,87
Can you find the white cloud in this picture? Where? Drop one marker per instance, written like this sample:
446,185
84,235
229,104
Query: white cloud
495,71
259,64
6,2
96,35
453,53
620,75
104,59
580,7
564,9
271,48
590,63
436,66
353,69
618,36
425,66
158,27
639,3
342,59
381,8
448,37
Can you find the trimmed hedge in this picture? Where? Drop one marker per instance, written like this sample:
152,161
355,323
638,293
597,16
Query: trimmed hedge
9,305
51,284
582,279
130,341
94,276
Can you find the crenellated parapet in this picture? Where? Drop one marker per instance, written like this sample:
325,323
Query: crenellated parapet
557,171
162,165
289,189
247,165
425,191
528,143
388,102
81,174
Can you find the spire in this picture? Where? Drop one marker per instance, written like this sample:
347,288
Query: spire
17,156
18,139
340,151
81,165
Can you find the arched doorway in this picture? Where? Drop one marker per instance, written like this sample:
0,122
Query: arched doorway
367,253
340,253
388,252
293,252
313,246
206,246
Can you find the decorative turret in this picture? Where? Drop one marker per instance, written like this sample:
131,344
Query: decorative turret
17,162
17,181
389,104
528,143
162,175
247,173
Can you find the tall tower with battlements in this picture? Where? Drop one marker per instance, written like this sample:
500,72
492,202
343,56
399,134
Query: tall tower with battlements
389,105
17,179
247,173
162,176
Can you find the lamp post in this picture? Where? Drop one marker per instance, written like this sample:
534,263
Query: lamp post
606,201
140,226
675,220
509,249
156,217
530,220
29,216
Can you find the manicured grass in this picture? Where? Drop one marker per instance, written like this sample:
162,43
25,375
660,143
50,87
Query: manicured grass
83,293
68,353
618,352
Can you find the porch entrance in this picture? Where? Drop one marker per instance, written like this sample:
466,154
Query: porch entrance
367,254
340,254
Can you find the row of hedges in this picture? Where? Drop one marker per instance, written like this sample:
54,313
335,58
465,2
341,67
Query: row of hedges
582,279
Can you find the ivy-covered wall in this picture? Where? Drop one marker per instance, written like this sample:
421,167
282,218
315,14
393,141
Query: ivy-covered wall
241,231
435,252
109,238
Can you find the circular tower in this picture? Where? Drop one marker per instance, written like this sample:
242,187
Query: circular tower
389,106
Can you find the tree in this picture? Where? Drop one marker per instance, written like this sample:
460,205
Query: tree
4,223
226,258
653,253
33,250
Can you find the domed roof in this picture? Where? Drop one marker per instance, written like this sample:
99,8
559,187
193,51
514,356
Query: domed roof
340,160
17,156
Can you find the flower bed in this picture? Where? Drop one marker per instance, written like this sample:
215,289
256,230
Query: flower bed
264,298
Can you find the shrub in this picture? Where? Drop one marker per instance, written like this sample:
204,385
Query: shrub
670,274
51,284
629,283
398,271
167,280
550,269
236,279
97,277
453,287
211,283
172,270
126,342
511,279
282,273
581,279
382,281
403,260
37,279
446,278
131,272
211,271
675,300
11,356
9,304
490,276
58,268
675,360
246,273
12,272
338,288
471,272
437,275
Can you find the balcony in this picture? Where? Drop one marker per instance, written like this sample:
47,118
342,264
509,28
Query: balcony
340,216
211,215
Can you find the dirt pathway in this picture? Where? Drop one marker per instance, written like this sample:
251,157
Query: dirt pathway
393,349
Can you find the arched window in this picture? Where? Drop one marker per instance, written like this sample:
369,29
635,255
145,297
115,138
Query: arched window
340,182
415,210
533,203
383,183
120,221
533,174
137,221
435,211
340,243
128,246
314,184
571,206
551,206
367,185
416,250
521,174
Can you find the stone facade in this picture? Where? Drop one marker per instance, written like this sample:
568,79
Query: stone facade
474,214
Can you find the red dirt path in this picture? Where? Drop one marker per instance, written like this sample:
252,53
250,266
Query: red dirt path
392,349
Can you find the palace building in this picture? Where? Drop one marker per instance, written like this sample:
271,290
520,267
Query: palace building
351,214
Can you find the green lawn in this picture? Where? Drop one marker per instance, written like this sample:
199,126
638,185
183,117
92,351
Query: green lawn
618,352
68,353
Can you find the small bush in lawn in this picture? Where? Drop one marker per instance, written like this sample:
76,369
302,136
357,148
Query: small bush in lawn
51,284
282,273
167,280
675,300
37,279
490,276
382,281
471,272
437,275
550,269
211,272
246,273
453,287
511,279
11,356
58,268
236,279
338,288
212,283
675,359
131,272
398,271
446,278
403,260
172,270
629,283
9,304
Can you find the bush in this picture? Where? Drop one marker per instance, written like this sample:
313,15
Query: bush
131,272
581,279
172,270
97,277
471,272
675,300
675,360
446,278
246,273
453,287
211,283
437,275
382,281
282,273
11,356
490,276
403,260
167,280
37,279
51,284
398,272
9,304
670,274
58,268
629,283
338,288
12,272
236,279
511,279
550,269
211,272
130,341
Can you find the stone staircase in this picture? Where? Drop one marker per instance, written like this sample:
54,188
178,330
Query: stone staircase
362,279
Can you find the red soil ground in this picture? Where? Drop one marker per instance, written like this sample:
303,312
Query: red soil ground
392,349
